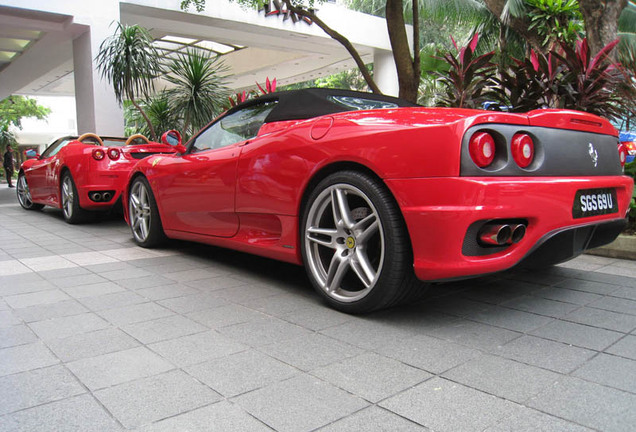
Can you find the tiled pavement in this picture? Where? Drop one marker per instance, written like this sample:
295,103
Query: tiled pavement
97,334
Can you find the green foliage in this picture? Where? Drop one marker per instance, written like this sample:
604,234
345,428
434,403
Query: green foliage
158,109
14,108
556,21
568,77
469,77
129,61
627,30
347,80
589,83
199,91
630,170
627,88
530,84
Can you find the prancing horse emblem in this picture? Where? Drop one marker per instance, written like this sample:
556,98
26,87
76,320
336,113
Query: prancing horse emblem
593,154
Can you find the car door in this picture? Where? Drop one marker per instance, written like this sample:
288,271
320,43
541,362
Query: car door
39,174
198,195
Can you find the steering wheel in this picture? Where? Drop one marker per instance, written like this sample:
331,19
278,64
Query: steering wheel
90,135
134,137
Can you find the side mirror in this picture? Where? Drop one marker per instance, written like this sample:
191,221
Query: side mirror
173,138
31,154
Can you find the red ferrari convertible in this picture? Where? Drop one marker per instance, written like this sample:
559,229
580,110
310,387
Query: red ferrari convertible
82,173
372,194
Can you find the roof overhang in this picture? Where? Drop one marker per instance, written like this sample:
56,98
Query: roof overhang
38,36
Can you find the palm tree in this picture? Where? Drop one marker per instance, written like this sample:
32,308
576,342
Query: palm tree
130,62
199,92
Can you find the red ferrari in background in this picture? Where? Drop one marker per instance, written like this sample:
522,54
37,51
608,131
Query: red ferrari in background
82,173
372,194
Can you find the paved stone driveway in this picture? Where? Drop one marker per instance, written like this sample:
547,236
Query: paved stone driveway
97,334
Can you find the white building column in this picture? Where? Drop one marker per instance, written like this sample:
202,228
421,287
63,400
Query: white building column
97,109
385,73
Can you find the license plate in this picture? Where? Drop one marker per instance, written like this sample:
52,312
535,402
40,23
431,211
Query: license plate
594,202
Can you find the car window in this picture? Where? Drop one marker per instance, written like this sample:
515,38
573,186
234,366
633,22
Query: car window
357,103
55,147
236,127
118,142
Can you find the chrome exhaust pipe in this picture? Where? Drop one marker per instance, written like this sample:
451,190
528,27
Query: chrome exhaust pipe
495,234
96,196
106,196
518,232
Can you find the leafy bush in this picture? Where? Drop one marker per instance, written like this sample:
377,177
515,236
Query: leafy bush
589,83
469,77
530,84
567,77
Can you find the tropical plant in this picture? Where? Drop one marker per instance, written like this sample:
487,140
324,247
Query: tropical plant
553,21
199,90
469,77
590,83
627,28
431,91
157,108
270,87
531,83
130,62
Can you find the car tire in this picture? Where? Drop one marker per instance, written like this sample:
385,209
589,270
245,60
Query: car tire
357,253
24,194
145,222
71,210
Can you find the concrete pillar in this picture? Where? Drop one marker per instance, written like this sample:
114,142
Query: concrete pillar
385,73
97,109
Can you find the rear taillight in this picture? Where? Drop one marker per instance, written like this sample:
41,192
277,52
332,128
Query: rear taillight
622,153
99,154
522,148
113,153
482,149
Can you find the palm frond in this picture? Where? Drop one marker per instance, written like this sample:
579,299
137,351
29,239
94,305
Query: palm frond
464,11
129,61
200,89
513,8
627,19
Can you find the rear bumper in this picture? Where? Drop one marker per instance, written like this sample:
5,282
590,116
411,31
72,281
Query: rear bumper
111,182
439,213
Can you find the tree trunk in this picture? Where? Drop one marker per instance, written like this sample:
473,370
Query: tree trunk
339,38
153,135
601,22
408,76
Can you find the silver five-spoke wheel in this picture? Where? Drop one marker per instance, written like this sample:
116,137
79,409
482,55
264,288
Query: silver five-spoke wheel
70,203
345,242
145,222
354,242
68,197
139,211
24,194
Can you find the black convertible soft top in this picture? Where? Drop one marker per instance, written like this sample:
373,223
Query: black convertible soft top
307,103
